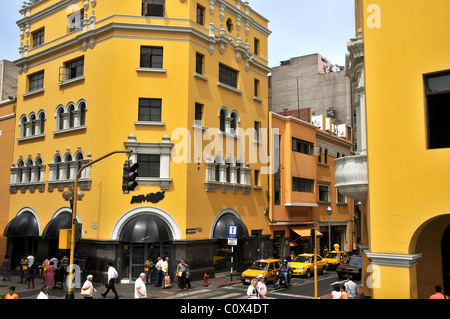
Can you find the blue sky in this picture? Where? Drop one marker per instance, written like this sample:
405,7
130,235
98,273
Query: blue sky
299,27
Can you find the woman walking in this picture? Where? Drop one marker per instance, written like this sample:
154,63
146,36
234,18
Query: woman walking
88,288
50,278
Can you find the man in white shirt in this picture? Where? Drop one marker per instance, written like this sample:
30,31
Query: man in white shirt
351,288
44,292
140,291
262,286
158,272
112,276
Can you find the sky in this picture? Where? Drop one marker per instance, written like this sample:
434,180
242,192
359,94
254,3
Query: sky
299,27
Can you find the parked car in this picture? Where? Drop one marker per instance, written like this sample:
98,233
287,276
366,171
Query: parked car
266,267
335,258
303,265
352,266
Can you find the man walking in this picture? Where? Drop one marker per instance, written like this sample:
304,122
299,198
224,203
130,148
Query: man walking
112,276
158,272
351,288
140,291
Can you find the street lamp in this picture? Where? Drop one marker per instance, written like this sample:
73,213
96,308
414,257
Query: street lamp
329,211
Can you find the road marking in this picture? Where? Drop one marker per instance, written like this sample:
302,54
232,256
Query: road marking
191,293
291,295
228,296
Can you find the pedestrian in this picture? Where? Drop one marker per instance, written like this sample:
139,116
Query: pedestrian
148,269
262,286
188,276
6,266
32,271
325,251
165,273
252,290
336,293
438,293
158,272
44,292
50,278
44,267
23,269
140,290
88,288
344,294
55,261
110,285
351,288
30,260
11,293
181,274
82,263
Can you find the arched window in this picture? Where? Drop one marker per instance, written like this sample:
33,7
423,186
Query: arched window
60,118
42,122
68,161
325,156
229,163
222,121
23,130
20,165
233,123
82,114
320,155
71,115
217,170
57,173
32,122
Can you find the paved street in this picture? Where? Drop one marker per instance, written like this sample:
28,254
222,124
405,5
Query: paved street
218,288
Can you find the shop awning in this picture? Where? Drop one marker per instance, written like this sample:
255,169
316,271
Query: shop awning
222,227
23,225
146,229
62,221
305,231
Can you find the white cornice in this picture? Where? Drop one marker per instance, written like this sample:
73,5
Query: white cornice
399,260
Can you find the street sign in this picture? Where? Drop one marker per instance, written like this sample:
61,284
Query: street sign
232,231
232,241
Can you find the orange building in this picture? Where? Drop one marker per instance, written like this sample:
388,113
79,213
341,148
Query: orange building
7,125
302,190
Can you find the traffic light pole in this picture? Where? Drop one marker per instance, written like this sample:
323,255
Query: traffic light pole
70,294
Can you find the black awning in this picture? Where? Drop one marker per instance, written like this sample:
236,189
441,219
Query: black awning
222,227
23,225
62,221
146,229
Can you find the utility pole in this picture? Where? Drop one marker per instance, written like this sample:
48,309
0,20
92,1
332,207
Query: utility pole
70,294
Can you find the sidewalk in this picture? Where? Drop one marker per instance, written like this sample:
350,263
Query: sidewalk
124,290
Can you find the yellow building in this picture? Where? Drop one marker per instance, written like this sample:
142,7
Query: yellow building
181,84
399,66
303,192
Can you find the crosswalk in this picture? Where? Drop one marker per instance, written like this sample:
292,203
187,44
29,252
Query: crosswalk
233,291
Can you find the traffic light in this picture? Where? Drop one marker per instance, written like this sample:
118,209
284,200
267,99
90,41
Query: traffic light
130,174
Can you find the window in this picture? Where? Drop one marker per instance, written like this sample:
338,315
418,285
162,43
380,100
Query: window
155,8
301,146
149,165
256,87
227,76
38,38
222,120
256,177
152,57
257,130
233,124
198,113
36,81
75,68
150,110
341,199
324,193
199,63
437,90
302,185
256,46
75,20
200,14
229,25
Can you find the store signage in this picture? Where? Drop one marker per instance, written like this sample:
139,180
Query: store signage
151,197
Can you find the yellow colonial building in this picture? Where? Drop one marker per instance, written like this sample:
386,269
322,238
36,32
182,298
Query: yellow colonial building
180,84
399,66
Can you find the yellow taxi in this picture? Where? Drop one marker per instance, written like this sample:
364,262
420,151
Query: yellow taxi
303,265
266,267
336,258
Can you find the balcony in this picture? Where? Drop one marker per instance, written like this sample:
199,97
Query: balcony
351,177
